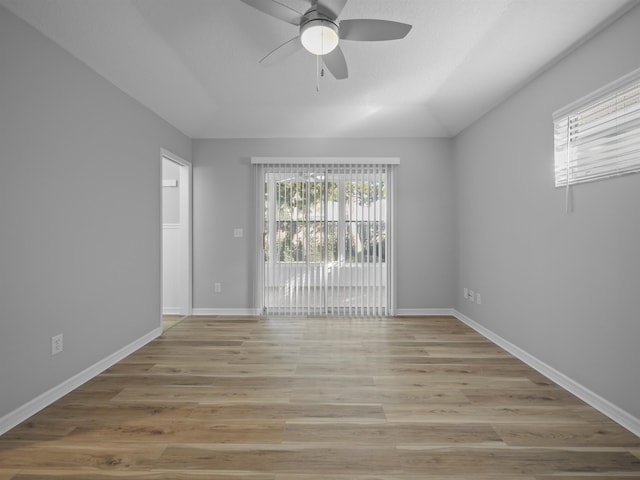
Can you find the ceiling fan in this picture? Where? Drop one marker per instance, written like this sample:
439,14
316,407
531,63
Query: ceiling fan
321,31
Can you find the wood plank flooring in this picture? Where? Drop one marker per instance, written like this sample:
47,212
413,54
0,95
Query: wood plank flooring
169,321
319,399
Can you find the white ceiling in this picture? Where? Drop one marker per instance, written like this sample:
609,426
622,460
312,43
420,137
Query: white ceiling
195,62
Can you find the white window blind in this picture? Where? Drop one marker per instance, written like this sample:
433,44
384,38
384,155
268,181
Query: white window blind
326,247
599,135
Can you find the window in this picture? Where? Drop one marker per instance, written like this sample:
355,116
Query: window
326,237
599,135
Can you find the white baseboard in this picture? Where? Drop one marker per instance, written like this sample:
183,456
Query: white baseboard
22,413
431,312
227,311
171,311
400,312
438,312
604,406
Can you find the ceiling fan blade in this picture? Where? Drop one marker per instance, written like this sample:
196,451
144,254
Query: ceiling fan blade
282,51
276,9
331,8
369,30
336,63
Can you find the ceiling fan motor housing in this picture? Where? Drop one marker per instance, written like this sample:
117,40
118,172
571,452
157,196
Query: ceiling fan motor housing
318,33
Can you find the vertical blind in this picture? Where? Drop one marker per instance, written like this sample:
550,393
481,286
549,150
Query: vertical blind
326,246
599,135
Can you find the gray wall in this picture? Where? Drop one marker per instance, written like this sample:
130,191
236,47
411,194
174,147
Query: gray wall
79,214
224,199
562,287
77,260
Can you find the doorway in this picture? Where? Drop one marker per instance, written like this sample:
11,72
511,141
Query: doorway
176,238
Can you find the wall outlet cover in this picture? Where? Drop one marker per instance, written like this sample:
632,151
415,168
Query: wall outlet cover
56,344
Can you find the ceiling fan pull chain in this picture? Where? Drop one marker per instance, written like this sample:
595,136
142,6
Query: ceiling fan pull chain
318,73
318,60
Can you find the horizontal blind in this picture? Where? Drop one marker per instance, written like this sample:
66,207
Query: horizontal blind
599,136
326,247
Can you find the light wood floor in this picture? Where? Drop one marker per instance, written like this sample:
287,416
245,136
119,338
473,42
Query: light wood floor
169,321
319,399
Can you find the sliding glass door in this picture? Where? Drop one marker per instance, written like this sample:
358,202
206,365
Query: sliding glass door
326,239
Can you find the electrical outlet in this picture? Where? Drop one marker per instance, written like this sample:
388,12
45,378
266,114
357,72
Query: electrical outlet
466,292
217,287
56,344
478,299
238,233
471,295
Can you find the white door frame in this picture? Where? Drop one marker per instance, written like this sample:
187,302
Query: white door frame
186,253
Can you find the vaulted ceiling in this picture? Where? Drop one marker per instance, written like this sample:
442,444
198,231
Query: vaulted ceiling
195,62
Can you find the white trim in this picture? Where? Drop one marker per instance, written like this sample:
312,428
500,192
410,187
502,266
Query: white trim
392,249
327,160
173,157
186,230
254,312
603,405
171,311
22,413
401,312
259,237
170,226
426,312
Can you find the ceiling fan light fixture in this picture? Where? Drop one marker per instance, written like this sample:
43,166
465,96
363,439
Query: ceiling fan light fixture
319,36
